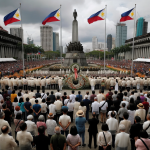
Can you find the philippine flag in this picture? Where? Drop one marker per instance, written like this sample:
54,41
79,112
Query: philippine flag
100,15
14,16
53,16
129,15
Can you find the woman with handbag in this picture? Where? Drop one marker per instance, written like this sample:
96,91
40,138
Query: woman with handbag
104,138
17,123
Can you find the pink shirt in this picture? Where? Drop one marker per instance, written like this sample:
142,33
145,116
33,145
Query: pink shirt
140,146
41,124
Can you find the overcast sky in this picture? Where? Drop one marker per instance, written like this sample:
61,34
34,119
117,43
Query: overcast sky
34,12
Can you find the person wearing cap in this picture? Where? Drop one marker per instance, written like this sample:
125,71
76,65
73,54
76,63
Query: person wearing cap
122,140
31,126
80,124
6,142
50,124
141,112
41,122
64,122
87,103
93,129
95,107
103,105
56,144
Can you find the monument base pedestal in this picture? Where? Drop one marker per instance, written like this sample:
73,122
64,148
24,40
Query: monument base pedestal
75,57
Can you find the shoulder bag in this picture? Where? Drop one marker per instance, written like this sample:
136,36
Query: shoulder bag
101,106
17,124
147,127
108,147
145,144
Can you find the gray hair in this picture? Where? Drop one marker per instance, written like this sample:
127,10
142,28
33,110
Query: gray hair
2,114
41,118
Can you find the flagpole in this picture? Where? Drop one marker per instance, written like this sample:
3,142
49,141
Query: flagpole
60,37
22,41
105,36
133,40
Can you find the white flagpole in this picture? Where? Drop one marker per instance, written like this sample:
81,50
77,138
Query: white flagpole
133,40
22,41
60,37
105,36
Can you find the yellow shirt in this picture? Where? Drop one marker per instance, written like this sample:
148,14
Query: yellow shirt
13,97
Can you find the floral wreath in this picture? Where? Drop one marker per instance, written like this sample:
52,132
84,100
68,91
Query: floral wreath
75,66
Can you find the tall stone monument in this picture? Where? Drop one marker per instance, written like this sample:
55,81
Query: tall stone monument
75,52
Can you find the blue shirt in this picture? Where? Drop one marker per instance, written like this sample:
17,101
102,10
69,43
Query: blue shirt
79,98
86,103
36,108
21,105
80,124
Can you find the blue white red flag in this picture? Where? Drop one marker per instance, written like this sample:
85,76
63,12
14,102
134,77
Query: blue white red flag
100,15
53,16
129,15
14,16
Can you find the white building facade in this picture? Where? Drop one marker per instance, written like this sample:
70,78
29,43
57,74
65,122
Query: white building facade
16,32
46,34
94,43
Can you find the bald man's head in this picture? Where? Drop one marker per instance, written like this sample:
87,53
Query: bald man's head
57,130
5,129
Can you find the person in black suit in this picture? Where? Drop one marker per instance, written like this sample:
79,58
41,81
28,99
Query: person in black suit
135,131
41,141
93,129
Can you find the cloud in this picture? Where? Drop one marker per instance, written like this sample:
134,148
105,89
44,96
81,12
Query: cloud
34,12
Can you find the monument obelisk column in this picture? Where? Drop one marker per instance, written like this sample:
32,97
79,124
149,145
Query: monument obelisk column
75,28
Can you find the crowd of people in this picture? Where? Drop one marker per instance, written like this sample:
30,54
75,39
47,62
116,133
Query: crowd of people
60,120
140,67
8,68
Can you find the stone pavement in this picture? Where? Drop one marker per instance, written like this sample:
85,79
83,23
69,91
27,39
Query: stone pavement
83,92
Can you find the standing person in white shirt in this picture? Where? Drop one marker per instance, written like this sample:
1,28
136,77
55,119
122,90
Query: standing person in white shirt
52,109
43,95
126,102
76,107
64,122
87,95
43,108
122,139
70,106
113,127
32,100
58,105
103,106
51,124
146,125
60,84
39,99
95,107
104,138
100,96
58,94
7,142
25,96
31,94
31,126
24,138
72,97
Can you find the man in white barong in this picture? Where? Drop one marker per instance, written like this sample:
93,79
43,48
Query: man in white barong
122,141
60,84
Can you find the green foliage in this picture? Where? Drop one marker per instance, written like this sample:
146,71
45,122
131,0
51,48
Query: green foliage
121,49
97,54
53,54
31,48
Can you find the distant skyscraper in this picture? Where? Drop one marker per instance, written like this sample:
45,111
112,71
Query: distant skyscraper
94,43
141,27
113,43
109,42
121,34
46,33
101,45
16,32
29,41
55,41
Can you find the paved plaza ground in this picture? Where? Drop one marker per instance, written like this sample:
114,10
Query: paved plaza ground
83,92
